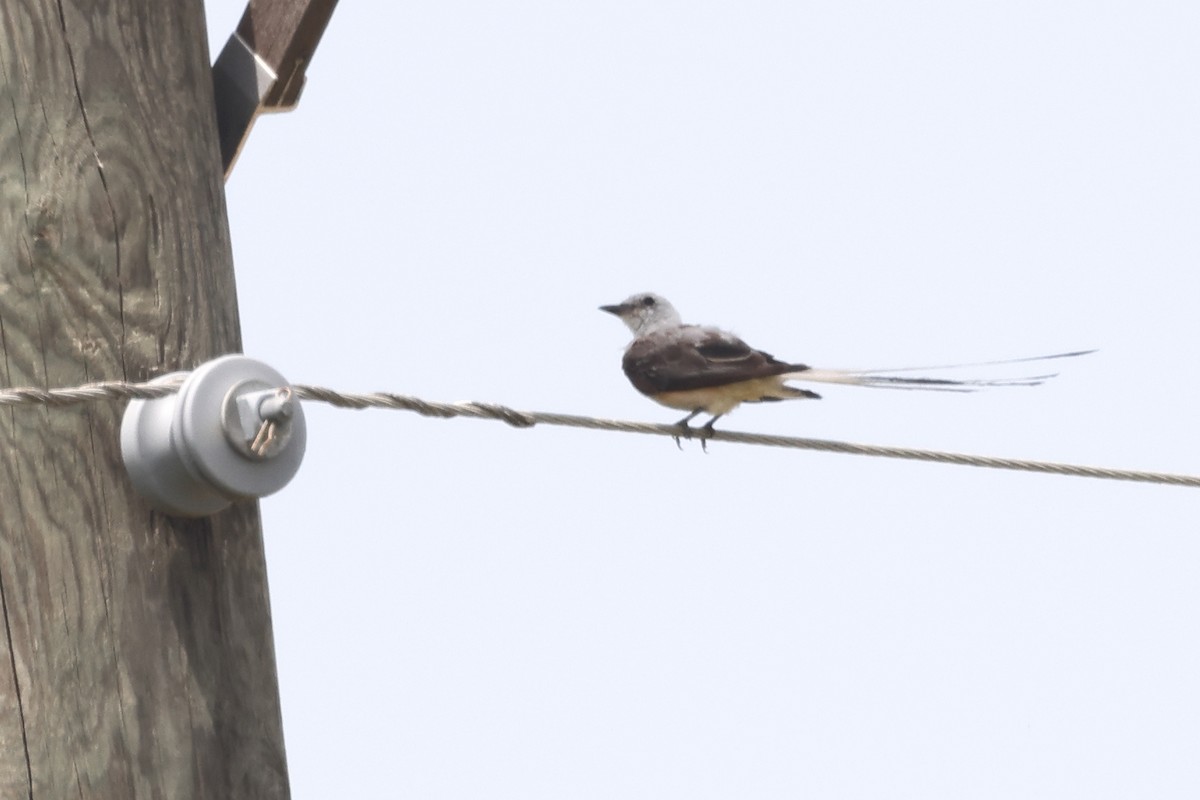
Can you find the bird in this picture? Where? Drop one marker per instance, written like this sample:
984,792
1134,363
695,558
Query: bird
706,370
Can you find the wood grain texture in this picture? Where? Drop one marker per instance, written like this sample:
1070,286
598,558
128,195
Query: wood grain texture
136,658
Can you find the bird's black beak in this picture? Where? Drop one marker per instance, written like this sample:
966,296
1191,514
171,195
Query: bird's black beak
618,310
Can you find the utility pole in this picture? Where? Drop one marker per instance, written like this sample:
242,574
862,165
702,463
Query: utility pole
136,654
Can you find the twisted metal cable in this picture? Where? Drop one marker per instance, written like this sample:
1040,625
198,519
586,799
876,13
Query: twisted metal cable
526,419
88,392
118,390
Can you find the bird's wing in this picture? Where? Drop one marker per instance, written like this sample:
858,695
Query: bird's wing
693,357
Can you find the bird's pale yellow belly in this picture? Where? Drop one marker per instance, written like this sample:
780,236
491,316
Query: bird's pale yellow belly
723,399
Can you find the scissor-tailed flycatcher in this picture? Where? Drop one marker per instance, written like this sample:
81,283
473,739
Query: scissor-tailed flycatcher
705,370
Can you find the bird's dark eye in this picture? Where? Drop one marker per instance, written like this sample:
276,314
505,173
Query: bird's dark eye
647,301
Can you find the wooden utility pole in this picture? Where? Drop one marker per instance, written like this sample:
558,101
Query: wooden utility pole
136,656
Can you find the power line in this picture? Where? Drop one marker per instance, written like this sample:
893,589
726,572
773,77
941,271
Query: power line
118,390
88,392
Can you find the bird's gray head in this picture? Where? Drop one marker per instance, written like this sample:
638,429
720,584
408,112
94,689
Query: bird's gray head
645,313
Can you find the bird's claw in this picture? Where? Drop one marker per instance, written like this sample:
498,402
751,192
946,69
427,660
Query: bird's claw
703,433
685,432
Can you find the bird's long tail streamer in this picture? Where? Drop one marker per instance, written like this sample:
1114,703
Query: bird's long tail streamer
883,379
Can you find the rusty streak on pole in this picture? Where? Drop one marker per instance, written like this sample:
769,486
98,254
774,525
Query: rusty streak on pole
136,654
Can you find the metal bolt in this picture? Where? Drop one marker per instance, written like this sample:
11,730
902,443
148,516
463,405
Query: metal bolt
257,418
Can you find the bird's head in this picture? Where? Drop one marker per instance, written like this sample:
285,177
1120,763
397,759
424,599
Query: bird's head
645,313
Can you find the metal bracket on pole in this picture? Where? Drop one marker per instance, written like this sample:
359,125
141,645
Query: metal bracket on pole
262,65
241,81
233,431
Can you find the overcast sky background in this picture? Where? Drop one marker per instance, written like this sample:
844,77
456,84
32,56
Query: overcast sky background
463,609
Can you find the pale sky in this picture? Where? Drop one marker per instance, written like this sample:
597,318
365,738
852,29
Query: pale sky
465,610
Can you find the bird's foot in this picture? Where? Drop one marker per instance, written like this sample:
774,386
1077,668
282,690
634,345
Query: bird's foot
703,433
685,432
